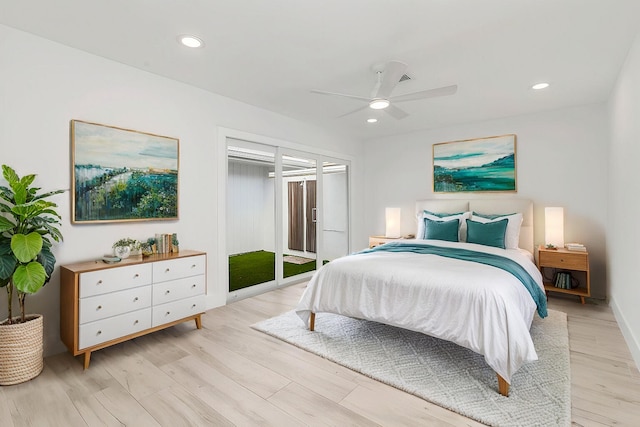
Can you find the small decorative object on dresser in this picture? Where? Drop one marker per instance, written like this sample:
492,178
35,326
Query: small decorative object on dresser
125,247
563,261
102,305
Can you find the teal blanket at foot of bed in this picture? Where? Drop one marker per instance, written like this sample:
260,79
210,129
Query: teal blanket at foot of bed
497,261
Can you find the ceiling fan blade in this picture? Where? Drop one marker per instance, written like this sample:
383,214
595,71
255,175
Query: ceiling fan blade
322,92
390,78
429,93
354,111
395,112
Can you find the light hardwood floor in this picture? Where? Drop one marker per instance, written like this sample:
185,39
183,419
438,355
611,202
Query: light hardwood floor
229,374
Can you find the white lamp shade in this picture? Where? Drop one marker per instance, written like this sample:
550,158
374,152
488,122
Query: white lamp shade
554,227
392,221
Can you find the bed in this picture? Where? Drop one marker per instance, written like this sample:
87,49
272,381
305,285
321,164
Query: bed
481,294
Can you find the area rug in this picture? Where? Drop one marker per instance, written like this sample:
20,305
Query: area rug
297,259
442,372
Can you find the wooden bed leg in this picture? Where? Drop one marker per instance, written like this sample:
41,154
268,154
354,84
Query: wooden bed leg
312,321
503,386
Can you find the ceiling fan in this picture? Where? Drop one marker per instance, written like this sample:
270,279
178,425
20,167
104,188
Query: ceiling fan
388,76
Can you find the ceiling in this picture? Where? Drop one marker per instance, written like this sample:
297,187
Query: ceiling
271,54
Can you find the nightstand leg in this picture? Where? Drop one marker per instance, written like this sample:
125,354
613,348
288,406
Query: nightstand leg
582,300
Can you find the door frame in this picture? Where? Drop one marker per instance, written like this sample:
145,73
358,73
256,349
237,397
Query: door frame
221,275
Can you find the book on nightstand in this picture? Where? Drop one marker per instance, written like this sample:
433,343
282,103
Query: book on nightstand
575,247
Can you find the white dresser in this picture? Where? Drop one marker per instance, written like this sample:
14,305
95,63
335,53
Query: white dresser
105,304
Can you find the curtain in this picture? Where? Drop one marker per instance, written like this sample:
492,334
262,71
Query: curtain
311,216
296,216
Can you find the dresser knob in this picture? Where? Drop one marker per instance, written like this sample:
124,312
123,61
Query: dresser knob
167,270
99,282
99,307
135,299
168,313
135,323
99,332
193,306
193,266
193,286
135,276
167,292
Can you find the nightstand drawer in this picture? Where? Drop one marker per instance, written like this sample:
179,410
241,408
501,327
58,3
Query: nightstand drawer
563,260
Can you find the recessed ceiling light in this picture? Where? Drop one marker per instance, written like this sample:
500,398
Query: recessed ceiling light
539,86
372,120
379,104
190,41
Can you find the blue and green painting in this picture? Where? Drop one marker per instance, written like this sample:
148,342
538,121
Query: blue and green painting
487,164
122,175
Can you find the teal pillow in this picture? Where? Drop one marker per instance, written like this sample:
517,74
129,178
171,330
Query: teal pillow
441,230
491,216
441,215
488,233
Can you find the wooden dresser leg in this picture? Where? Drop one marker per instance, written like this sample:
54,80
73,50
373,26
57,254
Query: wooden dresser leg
582,300
87,359
503,386
312,321
198,322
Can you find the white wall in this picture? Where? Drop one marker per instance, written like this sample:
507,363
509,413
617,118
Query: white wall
43,85
561,161
624,202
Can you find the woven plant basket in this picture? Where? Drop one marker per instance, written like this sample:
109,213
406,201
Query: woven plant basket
21,350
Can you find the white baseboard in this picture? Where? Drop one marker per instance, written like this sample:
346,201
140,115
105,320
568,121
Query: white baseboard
632,342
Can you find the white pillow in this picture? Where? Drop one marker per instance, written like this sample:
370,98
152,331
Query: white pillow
462,217
512,235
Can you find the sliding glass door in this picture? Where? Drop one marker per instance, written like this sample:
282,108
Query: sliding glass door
251,238
285,215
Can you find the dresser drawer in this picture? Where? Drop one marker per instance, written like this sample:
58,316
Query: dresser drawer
113,304
114,279
95,333
178,268
178,289
176,310
566,260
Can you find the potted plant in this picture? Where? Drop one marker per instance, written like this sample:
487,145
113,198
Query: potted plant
28,225
125,247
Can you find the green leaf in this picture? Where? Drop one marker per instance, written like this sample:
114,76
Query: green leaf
48,261
9,174
26,246
7,266
29,278
27,180
5,224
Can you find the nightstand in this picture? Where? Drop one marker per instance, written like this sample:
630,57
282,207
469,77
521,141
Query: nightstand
570,261
381,240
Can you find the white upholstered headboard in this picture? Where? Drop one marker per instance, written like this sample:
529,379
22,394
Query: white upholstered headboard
487,206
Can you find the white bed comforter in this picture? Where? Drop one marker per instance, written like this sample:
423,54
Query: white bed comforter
480,307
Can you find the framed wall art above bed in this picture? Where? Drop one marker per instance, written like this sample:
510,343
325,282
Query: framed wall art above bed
475,165
122,175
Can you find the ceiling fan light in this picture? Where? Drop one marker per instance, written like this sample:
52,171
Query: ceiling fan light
372,120
379,104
